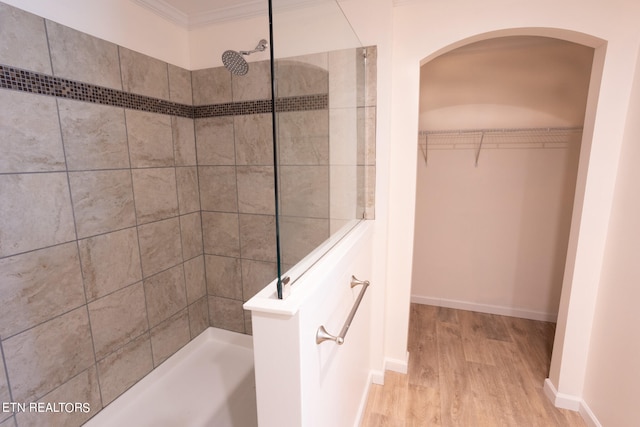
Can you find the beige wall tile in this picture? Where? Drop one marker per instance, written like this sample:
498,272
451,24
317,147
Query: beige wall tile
370,192
343,84
303,137
211,86
343,131
155,194
165,294
23,40
215,141
4,386
35,212
83,388
305,75
371,77
8,422
95,136
102,201
304,191
42,358
224,276
226,314
196,285
38,286
367,144
258,237
199,316
184,141
218,188
180,85
191,229
118,318
256,192
299,236
343,192
248,327
220,233
29,133
256,275
110,262
143,74
169,336
256,84
188,193
253,139
94,60
160,245
150,139
125,367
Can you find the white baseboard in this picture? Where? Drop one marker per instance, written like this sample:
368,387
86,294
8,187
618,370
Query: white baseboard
486,308
574,403
588,416
561,400
363,399
377,377
397,365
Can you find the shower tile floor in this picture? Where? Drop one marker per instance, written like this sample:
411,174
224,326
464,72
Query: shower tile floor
208,383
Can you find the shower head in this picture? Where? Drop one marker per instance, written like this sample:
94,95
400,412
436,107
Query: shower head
235,63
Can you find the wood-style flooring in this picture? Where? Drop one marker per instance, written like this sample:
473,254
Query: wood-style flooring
469,369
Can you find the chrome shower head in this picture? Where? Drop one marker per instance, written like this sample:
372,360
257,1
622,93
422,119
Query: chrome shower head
235,63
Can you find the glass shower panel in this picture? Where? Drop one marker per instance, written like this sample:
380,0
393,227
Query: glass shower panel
318,83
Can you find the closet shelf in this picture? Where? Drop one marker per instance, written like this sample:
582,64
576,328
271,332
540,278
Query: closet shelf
477,139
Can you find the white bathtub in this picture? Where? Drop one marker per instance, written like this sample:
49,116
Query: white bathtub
208,383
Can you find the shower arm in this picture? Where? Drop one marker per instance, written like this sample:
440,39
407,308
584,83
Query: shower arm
260,48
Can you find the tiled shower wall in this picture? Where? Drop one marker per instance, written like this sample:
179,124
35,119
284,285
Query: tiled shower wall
317,160
101,257
131,220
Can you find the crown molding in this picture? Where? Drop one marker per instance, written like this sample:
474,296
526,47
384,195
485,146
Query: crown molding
242,10
245,9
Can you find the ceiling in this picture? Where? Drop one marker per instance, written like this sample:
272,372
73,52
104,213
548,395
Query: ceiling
198,13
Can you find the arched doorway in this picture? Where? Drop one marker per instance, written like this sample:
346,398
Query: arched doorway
492,235
583,262
500,128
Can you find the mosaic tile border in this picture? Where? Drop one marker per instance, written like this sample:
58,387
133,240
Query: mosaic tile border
28,81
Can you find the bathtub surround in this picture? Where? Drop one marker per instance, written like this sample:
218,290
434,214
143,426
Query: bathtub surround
115,251
101,258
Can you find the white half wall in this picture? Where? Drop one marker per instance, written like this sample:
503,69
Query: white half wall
302,383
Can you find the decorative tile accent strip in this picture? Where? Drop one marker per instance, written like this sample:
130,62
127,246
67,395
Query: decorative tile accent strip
28,81
302,103
43,84
293,103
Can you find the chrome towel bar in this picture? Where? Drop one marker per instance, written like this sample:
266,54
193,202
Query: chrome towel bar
322,334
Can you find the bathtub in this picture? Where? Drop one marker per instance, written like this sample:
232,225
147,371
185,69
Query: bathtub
208,383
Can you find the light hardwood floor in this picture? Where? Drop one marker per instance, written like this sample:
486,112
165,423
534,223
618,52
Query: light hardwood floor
469,369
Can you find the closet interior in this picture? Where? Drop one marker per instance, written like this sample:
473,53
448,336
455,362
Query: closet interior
500,135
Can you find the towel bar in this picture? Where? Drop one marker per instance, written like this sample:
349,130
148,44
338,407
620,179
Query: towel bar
322,334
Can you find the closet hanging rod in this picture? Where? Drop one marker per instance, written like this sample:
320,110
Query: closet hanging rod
481,138
500,130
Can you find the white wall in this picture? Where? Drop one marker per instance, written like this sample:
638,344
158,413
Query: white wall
119,21
423,29
506,82
493,237
612,382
